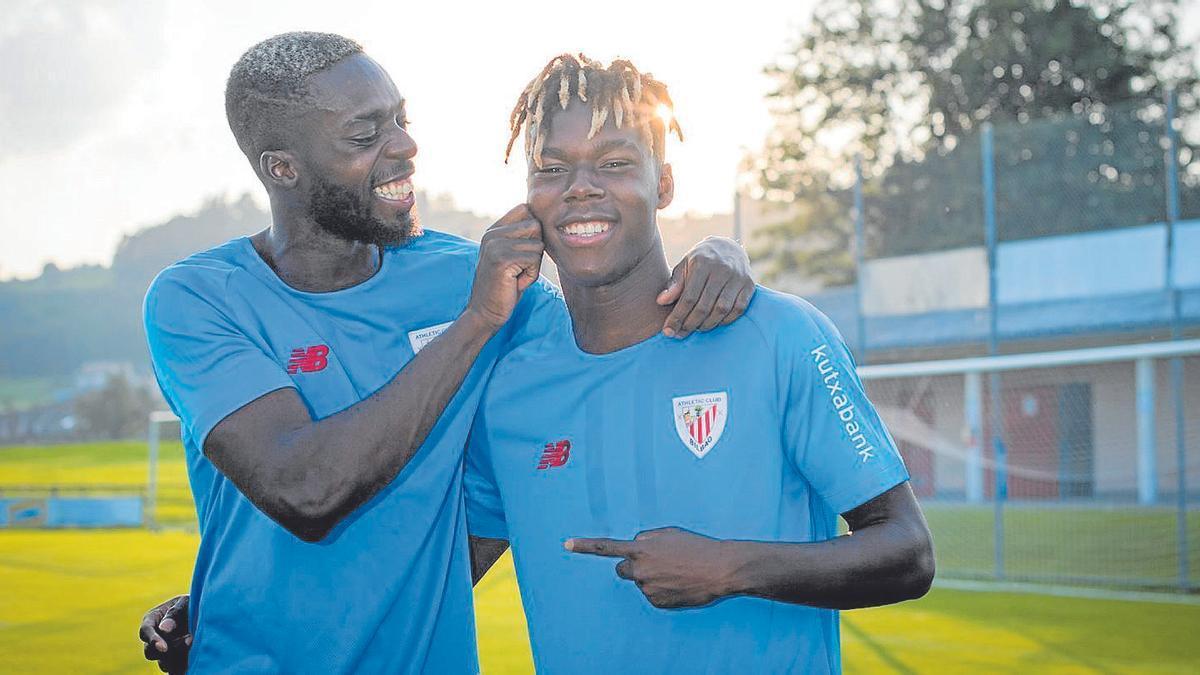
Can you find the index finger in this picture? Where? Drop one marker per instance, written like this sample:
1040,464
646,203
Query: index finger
518,223
149,634
608,548
694,282
515,215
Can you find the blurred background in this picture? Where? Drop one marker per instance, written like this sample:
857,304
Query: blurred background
996,201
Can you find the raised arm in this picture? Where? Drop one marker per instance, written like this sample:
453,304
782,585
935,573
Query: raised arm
887,557
307,474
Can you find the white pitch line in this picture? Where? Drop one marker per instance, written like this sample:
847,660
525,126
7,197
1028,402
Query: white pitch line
1067,591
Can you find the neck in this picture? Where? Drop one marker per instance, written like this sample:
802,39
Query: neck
308,258
617,315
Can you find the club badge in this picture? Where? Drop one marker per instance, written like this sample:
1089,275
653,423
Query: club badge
700,420
423,336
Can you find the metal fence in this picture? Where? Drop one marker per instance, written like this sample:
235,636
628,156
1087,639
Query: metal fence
1074,466
1084,479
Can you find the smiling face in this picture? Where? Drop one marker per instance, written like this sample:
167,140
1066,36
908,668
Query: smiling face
354,154
597,198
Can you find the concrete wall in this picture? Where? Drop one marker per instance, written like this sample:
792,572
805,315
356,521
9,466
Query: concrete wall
928,282
1118,262
1114,262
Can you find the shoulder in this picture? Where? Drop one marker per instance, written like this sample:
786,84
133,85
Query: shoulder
434,260
202,276
534,353
438,242
783,317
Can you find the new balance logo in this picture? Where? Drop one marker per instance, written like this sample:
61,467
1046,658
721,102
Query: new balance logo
555,454
308,360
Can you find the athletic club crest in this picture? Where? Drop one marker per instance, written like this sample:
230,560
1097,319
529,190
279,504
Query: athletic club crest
700,420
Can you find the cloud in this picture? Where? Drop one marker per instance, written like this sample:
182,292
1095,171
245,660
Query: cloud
67,68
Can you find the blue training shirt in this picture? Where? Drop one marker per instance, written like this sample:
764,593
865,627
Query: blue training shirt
759,430
389,590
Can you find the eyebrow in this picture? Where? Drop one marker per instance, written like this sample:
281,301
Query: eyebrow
616,144
375,114
601,148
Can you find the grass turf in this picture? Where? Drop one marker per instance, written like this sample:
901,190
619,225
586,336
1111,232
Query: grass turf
71,600
119,464
1127,544
22,392
1135,545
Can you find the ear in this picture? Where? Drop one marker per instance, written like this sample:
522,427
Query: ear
278,167
666,186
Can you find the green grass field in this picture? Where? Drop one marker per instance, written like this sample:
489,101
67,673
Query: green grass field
70,601
1131,544
21,392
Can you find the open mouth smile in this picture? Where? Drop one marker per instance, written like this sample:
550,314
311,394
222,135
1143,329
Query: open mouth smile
585,233
397,191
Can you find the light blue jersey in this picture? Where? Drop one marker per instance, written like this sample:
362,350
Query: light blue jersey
389,590
759,430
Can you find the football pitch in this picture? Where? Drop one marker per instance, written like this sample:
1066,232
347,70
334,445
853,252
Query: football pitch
70,601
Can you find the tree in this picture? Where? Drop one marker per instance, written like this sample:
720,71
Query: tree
1075,92
119,409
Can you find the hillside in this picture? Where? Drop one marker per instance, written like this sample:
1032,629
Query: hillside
64,318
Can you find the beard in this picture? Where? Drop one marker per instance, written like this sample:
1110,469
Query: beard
347,216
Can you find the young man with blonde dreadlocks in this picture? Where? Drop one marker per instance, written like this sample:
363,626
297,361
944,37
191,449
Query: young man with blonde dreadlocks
713,470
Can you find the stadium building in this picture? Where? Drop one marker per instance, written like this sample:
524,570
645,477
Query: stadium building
1097,423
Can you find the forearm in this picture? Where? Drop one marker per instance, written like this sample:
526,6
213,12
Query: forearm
879,564
332,466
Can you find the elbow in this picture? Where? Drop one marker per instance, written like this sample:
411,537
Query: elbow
921,569
308,512
308,531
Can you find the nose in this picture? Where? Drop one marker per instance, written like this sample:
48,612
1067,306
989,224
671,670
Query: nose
583,187
401,145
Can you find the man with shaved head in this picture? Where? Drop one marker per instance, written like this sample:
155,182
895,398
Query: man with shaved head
326,372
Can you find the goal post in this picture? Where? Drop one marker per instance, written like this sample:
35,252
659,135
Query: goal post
156,421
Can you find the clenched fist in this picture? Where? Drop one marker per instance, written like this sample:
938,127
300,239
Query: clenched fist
510,260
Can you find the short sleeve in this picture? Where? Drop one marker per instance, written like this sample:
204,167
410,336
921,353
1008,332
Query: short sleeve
485,509
833,433
206,366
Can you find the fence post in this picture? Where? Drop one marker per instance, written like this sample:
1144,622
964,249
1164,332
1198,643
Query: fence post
1147,450
996,402
1171,158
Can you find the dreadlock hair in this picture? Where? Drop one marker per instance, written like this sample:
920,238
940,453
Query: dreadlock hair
631,97
268,82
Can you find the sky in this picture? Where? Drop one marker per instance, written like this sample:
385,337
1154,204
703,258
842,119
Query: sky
112,112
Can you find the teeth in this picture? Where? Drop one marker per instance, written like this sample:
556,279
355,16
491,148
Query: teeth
395,190
588,229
